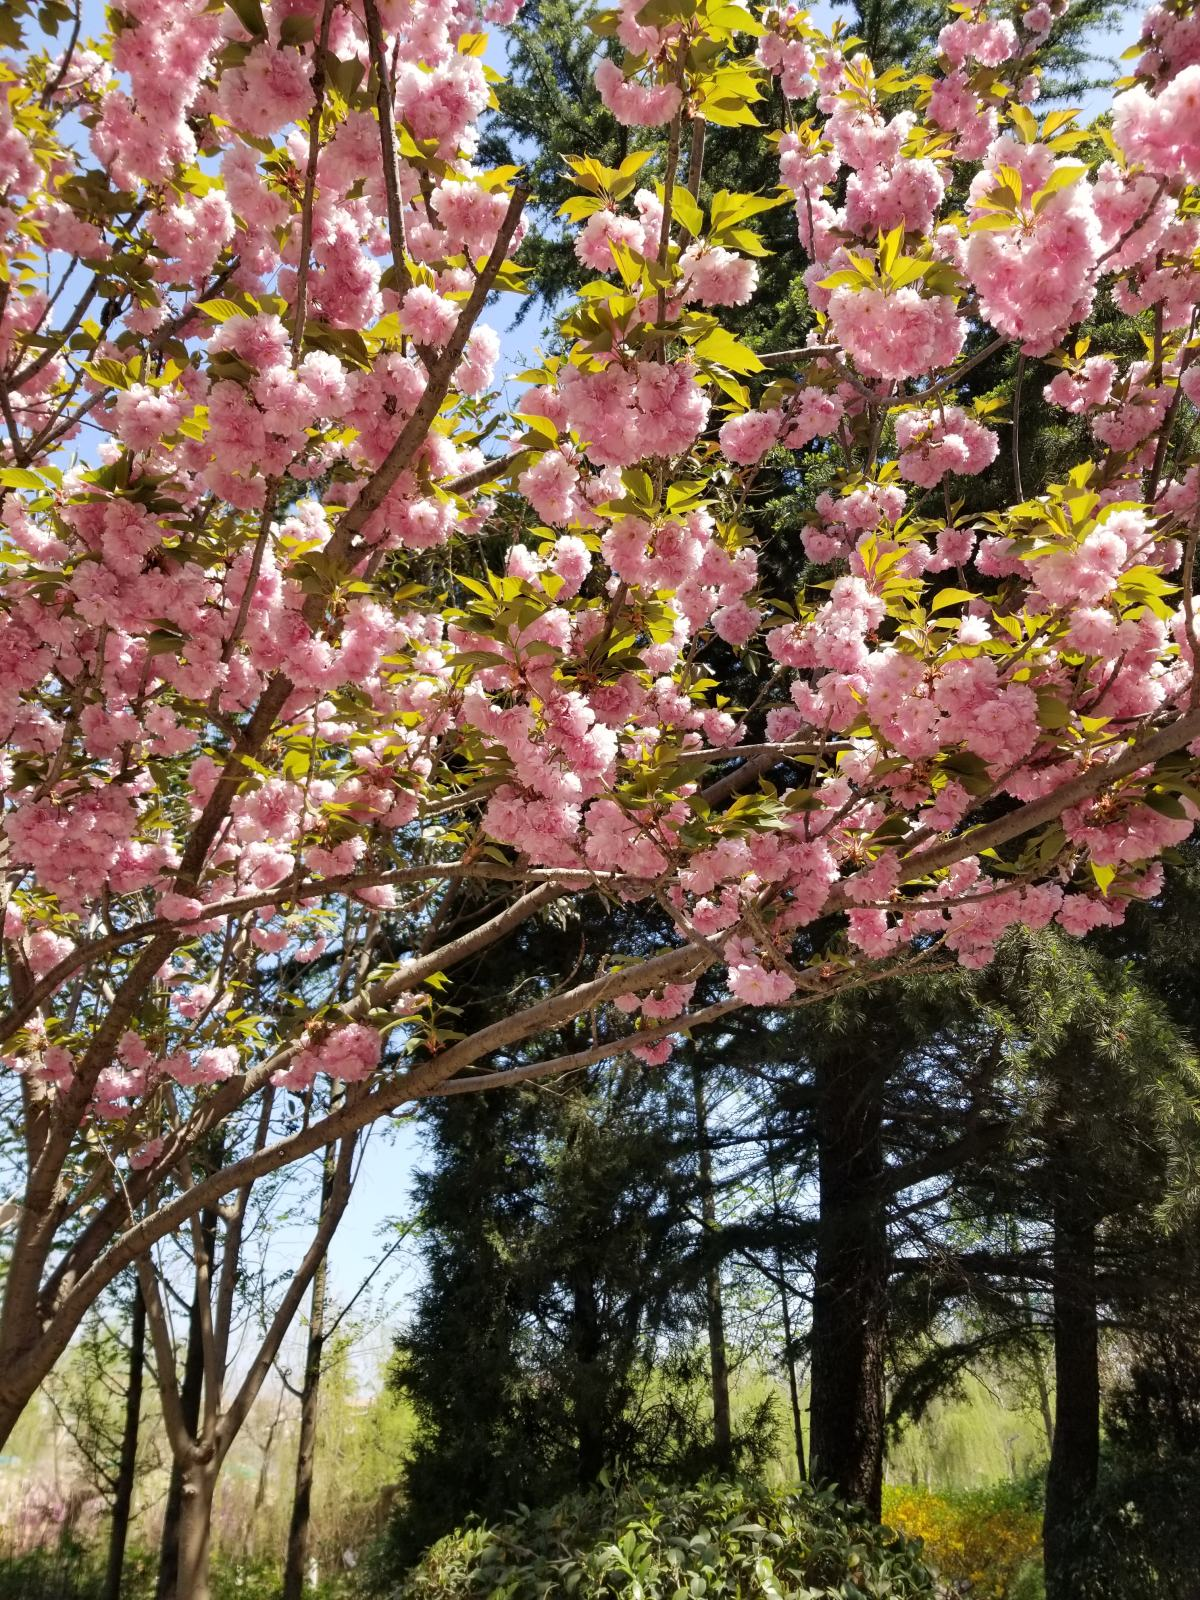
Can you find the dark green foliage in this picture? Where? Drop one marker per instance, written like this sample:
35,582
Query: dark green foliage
1096,1074
556,1334
1139,1539
66,1571
722,1540
1152,1412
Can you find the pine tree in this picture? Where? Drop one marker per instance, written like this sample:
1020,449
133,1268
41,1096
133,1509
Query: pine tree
555,1336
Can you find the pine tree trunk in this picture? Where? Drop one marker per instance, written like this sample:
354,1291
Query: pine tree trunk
585,1351
195,1532
123,1495
714,1303
297,1545
190,1392
850,1283
1075,1457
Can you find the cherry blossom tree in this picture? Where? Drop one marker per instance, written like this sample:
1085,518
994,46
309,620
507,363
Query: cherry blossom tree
291,664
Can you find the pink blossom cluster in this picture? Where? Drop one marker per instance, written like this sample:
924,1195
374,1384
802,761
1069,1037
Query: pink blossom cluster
350,1053
1036,278
788,56
897,335
273,624
935,443
1162,130
635,104
810,413
622,413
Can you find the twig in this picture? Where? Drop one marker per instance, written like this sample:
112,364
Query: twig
310,180
387,139
489,472
696,158
1016,426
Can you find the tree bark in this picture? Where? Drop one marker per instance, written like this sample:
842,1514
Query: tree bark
585,1351
789,1345
195,1531
190,1392
850,1283
714,1304
310,1395
789,1356
123,1494
1075,1456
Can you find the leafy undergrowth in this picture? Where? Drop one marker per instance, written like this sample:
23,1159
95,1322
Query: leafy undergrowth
70,1570
651,1542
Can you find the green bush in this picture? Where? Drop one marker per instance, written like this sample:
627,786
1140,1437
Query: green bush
723,1541
70,1569
1140,1536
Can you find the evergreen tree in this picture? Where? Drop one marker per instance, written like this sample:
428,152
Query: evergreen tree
556,1335
898,1115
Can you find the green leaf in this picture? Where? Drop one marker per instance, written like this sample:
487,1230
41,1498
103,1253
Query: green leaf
220,310
542,426
735,19
723,350
1053,711
687,213
250,14
297,30
345,76
950,597
657,12
476,587
20,478
639,485
160,643
112,374
580,206
890,245
1058,180
729,209
764,1572
1167,805
1023,120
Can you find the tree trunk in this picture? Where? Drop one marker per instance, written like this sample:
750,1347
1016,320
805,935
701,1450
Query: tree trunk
714,1305
123,1495
793,1387
789,1345
297,1545
1075,1457
1038,1368
190,1392
252,1523
850,1282
195,1532
585,1351
1045,1407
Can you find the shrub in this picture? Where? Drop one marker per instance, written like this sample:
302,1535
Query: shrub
980,1541
73,1570
70,1569
651,1542
1140,1536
